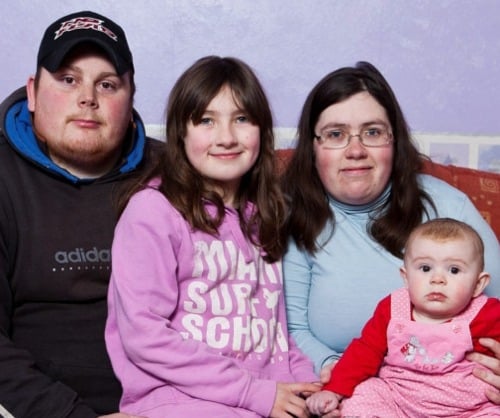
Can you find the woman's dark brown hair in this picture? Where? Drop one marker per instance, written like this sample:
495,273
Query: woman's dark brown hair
185,188
309,208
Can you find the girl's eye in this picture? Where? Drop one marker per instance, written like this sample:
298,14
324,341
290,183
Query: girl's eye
242,119
206,121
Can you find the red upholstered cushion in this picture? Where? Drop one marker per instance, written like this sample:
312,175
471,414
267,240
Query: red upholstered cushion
282,156
482,187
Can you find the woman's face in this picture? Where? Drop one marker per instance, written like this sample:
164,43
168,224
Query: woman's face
355,174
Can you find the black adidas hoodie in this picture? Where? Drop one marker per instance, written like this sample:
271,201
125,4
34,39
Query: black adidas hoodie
55,239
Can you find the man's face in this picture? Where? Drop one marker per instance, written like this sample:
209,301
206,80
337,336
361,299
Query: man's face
82,112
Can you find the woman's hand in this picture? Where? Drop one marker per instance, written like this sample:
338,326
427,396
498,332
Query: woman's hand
492,375
326,372
289,400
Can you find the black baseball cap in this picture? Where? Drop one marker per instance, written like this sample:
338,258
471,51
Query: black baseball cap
81,27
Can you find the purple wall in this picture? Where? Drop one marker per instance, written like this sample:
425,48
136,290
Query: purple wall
441,57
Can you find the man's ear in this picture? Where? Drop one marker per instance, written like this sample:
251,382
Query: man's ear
30,90
482,281
402,272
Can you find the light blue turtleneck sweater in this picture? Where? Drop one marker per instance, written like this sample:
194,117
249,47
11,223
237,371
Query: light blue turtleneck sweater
330,295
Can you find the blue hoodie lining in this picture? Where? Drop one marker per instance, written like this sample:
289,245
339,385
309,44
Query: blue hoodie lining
20,132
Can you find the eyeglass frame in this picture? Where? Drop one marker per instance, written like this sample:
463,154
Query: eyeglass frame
389,139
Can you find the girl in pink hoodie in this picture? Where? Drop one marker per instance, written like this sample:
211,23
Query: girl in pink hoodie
196,310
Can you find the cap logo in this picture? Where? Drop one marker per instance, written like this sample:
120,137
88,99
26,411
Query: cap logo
84,23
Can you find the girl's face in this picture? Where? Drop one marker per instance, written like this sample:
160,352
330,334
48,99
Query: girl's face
442,277
224,145
355,174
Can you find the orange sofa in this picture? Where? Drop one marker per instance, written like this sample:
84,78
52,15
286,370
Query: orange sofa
482,187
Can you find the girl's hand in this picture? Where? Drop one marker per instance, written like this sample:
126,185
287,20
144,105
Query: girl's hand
492,375
289,400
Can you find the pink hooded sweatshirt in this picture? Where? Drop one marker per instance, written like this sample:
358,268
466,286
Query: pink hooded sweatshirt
196,322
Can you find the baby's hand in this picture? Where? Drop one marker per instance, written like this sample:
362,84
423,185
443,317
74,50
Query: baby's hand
322,402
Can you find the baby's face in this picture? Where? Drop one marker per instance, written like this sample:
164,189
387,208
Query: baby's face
441,277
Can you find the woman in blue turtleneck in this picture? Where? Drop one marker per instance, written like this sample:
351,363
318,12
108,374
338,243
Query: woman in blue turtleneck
355,195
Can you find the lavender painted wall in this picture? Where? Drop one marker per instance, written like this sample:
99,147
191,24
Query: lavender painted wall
441,57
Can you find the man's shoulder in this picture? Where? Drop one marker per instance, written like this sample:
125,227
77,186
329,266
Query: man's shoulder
17,95
6,150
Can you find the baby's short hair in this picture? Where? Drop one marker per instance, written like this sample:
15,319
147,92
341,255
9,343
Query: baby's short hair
446,229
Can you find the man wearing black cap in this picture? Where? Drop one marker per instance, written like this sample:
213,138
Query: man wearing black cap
67,141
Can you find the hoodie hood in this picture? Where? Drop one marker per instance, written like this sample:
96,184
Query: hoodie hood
18,130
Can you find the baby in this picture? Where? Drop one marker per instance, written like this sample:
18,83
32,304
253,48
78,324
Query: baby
410,358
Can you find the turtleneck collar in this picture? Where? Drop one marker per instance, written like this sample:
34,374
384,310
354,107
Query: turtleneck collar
371,207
